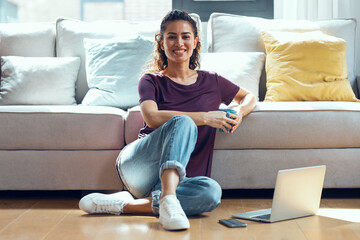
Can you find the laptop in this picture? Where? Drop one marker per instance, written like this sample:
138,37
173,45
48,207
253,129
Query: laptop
297,194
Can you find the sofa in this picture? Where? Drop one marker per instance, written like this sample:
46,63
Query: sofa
65,114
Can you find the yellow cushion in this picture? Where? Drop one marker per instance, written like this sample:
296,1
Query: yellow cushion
308,66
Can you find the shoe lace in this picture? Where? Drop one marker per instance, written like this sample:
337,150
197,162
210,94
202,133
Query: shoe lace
109,206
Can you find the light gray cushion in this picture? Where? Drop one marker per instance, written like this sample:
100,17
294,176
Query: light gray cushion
61,127
38,80
113,70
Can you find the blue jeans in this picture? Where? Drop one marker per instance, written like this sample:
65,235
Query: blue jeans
141,163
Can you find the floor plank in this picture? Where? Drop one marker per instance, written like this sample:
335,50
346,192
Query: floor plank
212,230
37,221
54,219
78,225
336,219
13,209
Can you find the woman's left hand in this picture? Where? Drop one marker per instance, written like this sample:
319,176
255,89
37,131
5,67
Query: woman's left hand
247,103
238,118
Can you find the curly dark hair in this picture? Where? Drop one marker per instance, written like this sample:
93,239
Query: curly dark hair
160,62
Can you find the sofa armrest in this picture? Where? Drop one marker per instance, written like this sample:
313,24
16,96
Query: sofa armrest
133,123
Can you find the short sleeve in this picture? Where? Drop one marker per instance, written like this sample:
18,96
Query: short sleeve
228,89
146,88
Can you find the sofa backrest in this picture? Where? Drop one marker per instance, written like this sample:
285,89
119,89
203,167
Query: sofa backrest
234,33
224,33
27,39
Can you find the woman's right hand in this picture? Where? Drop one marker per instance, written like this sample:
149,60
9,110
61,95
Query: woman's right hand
218,119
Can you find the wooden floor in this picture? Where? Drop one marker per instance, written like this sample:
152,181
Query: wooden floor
61,219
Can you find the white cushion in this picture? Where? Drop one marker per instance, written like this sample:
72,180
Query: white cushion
113,70
38,80
234,33
27,39
71,33
242,68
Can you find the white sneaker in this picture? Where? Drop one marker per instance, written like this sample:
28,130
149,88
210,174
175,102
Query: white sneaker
172,216
105,203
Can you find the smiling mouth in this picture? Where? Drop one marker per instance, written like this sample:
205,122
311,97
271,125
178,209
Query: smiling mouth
179,51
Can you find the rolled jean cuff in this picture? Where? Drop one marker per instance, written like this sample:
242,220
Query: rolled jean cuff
173,165
155,201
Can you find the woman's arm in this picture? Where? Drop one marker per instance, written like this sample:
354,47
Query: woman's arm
247,102
155,117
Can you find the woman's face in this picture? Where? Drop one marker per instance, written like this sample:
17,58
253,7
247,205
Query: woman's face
179,41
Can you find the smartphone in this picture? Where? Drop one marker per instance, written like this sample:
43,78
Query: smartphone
232,223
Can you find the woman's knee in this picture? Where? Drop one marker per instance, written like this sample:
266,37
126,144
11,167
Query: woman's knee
185,119
184,122
205,196
211,194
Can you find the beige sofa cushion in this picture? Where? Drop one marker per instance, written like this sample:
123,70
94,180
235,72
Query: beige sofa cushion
61,128
284,125
289,125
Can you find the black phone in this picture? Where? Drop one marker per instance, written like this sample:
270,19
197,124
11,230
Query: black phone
232,223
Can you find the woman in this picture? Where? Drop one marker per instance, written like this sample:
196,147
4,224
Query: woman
167,169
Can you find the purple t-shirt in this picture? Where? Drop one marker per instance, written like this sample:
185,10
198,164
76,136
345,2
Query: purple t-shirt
206,94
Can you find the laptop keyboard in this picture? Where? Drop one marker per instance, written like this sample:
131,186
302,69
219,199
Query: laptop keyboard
265,216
